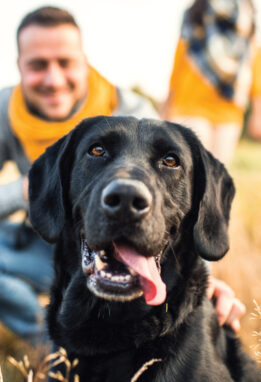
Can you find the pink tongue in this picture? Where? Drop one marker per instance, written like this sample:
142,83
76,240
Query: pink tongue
153,287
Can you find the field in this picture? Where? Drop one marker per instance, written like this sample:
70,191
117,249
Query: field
241,268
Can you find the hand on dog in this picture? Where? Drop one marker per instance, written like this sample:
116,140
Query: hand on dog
25,188
229,309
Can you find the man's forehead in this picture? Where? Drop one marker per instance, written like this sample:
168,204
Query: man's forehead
61,38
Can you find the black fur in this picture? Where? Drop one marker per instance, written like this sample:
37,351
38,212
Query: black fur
187,219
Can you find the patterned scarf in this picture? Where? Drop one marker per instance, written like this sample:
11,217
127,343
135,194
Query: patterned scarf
221,46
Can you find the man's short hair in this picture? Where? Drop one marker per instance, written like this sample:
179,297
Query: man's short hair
46,17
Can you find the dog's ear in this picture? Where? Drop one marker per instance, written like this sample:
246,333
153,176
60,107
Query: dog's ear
49,182
216,190
46,190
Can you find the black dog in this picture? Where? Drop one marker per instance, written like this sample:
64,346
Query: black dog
135,206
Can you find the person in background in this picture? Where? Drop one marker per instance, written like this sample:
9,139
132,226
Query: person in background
212,73
254,119
58,89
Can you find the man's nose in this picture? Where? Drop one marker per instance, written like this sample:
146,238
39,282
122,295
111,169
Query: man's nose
54,76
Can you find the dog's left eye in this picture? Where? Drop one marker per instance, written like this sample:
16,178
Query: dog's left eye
96,150
171,160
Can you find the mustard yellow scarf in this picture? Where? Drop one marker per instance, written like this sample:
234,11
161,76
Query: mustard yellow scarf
36,135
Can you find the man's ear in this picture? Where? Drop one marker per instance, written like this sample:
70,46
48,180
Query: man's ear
18,64
217,191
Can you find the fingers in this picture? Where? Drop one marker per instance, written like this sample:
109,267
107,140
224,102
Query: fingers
237,311
25,188
224,301
211,287
228,308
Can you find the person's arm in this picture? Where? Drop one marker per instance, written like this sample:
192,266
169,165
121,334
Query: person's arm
13,197
254,121
131,103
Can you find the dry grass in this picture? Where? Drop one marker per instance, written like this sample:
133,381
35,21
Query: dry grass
241,269
257,348
12,346
43,369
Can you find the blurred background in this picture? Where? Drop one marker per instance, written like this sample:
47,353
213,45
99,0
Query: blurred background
132,43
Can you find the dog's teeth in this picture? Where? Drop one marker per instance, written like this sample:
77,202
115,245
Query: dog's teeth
102,252
103,274
106,275
132,272
98,263
115,278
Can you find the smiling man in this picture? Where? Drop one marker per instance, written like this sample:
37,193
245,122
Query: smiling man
53,70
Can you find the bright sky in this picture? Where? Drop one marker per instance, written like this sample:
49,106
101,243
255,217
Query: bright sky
131,42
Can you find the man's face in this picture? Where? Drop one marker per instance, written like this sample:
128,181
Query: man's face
53,69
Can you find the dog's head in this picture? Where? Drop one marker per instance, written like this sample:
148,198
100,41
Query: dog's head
129,189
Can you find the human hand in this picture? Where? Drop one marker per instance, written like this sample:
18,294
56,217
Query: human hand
25,188
254,120
228,308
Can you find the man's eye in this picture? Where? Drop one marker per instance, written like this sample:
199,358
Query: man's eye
171,160
38,66
96,150
65,63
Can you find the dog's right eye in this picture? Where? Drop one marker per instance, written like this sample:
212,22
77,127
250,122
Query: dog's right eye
171,160
96,150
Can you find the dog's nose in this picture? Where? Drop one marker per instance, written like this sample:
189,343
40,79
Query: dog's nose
126,198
